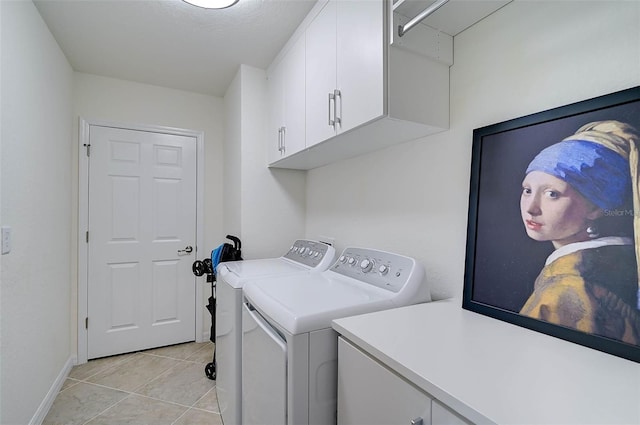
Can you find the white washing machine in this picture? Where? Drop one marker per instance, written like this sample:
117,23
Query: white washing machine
289,353
304,257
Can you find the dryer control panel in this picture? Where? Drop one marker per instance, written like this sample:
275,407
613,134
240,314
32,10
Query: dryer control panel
314,254
385,270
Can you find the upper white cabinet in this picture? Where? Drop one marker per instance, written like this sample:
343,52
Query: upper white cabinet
364,87
344,68
275,95
286,88
321,75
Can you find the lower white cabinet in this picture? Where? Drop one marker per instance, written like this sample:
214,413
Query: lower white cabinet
370,393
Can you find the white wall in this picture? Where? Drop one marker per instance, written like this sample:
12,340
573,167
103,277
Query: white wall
36,203
232,176
527,57
0,216
1,126
265,207
114,100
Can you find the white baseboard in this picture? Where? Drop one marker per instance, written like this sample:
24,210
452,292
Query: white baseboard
46,404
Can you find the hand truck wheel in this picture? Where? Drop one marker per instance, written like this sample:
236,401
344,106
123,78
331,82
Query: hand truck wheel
210,370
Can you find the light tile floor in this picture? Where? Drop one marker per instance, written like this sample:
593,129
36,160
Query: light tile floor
161,386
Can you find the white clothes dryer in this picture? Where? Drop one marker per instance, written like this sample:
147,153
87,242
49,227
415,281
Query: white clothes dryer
289,364
304,257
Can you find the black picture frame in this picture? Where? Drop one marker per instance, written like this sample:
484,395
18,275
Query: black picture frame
502,262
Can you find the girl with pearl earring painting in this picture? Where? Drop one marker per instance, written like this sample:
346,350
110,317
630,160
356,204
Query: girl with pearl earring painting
569,192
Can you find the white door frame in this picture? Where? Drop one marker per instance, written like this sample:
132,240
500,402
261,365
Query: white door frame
83,215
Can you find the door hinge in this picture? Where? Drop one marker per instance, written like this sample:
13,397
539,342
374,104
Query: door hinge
87,236
86,323
88,146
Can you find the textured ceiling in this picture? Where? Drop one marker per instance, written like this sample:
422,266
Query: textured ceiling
170,43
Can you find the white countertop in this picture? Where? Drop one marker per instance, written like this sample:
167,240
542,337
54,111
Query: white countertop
492,371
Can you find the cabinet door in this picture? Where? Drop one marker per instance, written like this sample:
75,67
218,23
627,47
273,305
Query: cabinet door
264,371
276,112
294,98
360,62
440,415
369,393
320,74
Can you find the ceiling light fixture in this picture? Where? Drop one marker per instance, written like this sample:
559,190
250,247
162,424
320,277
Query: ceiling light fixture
212,4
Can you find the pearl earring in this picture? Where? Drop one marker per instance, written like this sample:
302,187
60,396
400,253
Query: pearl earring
593,232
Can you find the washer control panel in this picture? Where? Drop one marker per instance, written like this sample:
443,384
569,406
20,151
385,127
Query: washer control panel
383,269
314,254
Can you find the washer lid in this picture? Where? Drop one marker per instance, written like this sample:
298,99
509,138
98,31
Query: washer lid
237,272
304,256
304,303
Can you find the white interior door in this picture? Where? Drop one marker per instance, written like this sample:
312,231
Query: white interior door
142,221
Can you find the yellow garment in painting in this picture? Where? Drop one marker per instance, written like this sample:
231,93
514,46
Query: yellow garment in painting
591,290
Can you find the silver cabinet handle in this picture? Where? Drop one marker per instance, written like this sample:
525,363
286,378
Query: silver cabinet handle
284,140
337,94
417,421
280,139
187,250
332,97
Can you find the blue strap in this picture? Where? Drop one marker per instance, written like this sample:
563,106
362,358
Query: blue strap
215,258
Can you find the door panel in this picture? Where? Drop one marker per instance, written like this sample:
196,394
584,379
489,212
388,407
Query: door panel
142,209
360,47
276,112
123,295
320,69
264,372
294,98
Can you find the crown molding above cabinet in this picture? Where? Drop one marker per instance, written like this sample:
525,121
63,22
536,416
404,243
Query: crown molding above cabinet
363,87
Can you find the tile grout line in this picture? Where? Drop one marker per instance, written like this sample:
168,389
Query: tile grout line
194,408
107,367
192,358
106,409
132,393
129,356
203,396
166,372
173,358
158,376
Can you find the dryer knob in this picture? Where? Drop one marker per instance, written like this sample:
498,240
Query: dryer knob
366,265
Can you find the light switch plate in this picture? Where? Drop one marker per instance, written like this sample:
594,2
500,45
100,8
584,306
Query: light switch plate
6,240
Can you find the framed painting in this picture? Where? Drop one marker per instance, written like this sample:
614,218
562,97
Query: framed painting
554,223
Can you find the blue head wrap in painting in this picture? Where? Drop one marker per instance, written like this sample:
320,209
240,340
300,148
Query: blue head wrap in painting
602,162
598,173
